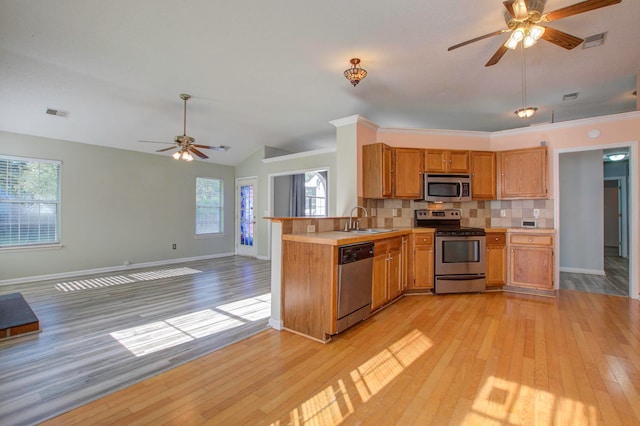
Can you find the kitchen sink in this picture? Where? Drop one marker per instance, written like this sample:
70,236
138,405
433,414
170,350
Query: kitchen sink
370,231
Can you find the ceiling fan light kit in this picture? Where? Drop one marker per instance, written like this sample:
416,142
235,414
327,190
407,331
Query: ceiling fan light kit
355,74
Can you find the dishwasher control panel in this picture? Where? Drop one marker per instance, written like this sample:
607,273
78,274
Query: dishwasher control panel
354,253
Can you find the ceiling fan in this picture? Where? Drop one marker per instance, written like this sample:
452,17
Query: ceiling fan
186,144
523,18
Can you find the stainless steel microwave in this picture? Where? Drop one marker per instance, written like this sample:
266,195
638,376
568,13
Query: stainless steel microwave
447,188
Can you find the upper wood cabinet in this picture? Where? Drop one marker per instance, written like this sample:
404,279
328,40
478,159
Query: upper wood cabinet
446,161
377,171
408,170
483,175
522,173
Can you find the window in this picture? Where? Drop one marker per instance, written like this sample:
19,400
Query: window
29,202
315,194
209,213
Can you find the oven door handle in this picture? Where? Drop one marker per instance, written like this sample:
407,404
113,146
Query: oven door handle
461,277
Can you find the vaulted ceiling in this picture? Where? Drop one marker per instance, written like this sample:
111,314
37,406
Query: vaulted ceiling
270,73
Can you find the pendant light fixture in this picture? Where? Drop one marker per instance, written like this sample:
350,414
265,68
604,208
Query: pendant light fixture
355,73
525,111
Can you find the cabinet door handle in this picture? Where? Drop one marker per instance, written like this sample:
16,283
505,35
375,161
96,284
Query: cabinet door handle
530,240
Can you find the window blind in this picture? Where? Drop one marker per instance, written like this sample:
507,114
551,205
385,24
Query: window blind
209,206
29,201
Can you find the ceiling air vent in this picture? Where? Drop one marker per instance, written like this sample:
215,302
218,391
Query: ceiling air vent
570,96
594,40
57,112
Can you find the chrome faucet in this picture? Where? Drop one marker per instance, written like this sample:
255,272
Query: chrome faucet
366,214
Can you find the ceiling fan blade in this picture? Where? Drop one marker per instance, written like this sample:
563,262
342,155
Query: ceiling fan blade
509,6
577,8
215,148
517,9
560,38
473,40
167,143
196,152
497,56
166,149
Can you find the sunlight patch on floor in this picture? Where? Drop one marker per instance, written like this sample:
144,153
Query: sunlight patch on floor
158,335
102,282
501,401
251,309
374,374
333,404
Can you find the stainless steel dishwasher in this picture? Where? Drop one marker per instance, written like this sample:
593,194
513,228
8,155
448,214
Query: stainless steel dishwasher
355,269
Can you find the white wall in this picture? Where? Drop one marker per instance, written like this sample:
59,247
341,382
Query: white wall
281,195
118,206
581,212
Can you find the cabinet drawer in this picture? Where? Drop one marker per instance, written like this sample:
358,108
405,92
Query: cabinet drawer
394,243
496,239
535,240
423,240
381,246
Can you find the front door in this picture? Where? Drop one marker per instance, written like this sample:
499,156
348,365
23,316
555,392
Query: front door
246,217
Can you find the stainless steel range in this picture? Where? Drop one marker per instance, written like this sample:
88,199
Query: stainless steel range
460,264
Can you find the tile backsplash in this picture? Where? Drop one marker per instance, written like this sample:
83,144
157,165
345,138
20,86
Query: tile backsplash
482,214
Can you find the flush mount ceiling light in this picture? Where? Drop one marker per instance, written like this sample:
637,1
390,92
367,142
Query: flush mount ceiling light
616,156
525,111
355,73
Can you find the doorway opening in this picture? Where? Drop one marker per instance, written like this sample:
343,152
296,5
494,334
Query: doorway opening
596,211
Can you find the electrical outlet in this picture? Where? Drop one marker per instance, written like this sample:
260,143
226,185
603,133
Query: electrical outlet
311,228
394,212
536,213
174,246
503,213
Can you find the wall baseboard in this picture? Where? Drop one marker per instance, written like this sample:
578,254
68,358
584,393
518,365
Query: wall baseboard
275,324
118,268
582,271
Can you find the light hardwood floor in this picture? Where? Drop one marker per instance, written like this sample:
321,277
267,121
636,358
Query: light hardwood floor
103,333
493,358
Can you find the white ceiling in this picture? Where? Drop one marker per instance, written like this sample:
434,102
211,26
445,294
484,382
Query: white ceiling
270,72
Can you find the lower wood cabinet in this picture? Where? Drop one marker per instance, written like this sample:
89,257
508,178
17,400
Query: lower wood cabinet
496,259
531,260
421,276
387,272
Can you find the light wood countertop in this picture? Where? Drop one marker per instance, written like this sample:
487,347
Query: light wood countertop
341,238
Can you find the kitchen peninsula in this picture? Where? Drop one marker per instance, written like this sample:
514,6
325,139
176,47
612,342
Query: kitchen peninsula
403,263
